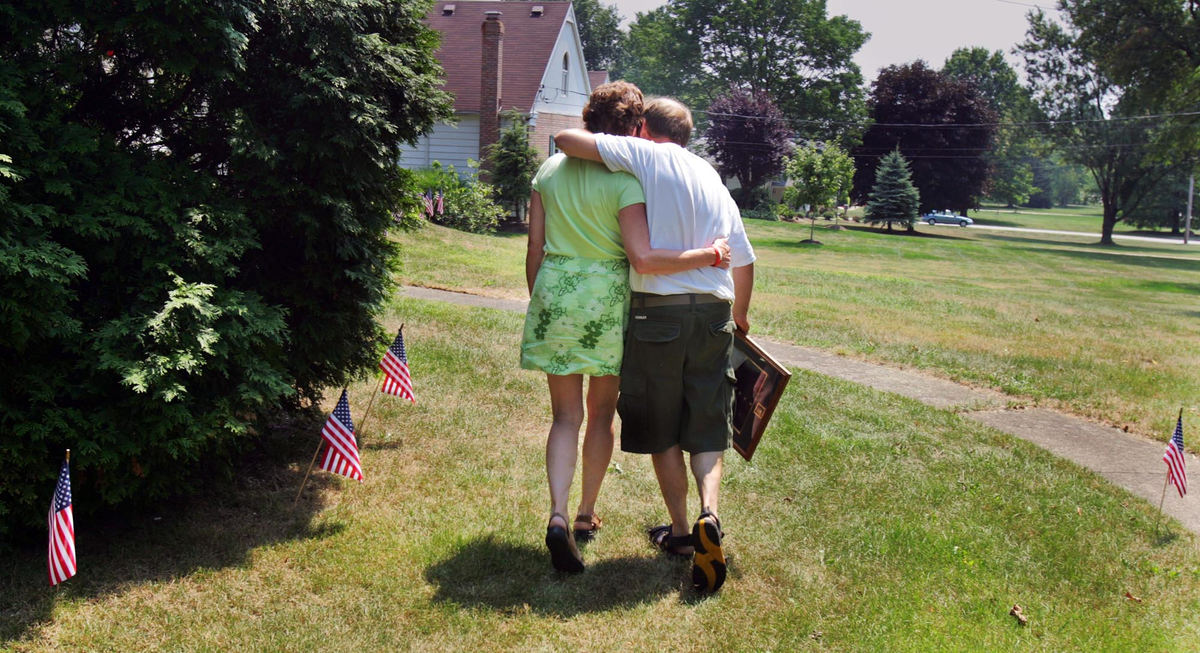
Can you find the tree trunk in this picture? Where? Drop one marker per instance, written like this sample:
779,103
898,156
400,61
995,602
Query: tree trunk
1110,221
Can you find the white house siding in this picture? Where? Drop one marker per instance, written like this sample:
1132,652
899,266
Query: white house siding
452,145
552,98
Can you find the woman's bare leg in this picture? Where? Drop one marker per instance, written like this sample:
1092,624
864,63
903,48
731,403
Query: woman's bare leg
598,439
562,445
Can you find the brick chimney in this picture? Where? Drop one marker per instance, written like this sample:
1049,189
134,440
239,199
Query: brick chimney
490,71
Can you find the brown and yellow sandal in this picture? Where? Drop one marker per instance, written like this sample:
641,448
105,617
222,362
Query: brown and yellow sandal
590,524
708,565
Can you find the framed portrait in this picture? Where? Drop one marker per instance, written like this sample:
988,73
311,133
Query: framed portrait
760,383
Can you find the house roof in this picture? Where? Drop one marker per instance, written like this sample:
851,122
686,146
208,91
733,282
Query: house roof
528,43
597,77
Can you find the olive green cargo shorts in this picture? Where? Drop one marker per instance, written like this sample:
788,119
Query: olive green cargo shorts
676,375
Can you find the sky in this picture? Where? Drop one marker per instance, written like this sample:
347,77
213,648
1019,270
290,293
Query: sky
903,31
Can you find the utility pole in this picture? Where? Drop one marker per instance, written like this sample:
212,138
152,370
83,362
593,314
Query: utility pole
1187,222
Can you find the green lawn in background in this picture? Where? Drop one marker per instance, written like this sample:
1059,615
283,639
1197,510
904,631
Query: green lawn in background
1107,333
1085,219
866,522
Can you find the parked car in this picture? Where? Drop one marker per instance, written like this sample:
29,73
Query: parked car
946,217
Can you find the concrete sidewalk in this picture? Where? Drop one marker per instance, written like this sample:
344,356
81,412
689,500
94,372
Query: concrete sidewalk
1126,460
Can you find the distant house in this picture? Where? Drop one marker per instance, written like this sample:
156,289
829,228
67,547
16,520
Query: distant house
504,56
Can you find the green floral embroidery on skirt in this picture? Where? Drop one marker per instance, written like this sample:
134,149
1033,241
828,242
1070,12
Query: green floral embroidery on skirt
576,318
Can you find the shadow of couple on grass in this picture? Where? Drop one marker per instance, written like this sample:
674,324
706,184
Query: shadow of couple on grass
491,573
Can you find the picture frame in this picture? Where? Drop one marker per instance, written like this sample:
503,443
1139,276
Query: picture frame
760,383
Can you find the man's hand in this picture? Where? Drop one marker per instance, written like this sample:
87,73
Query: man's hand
722,247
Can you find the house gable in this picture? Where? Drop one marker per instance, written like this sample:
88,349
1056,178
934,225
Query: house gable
564,65
530,37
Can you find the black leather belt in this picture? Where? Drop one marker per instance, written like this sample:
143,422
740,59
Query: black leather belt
646,300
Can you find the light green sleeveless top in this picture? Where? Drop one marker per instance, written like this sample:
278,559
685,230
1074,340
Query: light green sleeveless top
581,199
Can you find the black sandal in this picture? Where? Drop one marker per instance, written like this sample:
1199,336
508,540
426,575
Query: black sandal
660,537
563,554
593,523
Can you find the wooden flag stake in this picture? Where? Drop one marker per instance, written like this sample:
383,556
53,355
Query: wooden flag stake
310,466
68,455
362,426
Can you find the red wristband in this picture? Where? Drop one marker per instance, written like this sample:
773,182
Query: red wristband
718,259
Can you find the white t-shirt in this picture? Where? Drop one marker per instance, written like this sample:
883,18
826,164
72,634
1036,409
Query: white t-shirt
687,207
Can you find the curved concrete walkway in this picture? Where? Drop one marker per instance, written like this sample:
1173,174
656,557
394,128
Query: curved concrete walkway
1126,460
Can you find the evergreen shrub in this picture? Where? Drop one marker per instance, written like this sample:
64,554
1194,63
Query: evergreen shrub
194,204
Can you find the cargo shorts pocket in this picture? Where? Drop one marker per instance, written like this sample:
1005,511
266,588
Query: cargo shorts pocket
655,331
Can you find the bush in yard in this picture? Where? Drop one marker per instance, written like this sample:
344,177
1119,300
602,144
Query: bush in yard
467,203
194,204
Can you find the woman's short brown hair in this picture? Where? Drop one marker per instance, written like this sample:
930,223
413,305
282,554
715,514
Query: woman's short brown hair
613,108
669,118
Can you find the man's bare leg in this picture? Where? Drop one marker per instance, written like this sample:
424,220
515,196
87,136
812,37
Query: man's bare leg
708,563
673,482
707,468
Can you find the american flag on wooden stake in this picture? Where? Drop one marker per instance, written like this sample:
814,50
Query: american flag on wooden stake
62,529
341,452
1176,465
396,380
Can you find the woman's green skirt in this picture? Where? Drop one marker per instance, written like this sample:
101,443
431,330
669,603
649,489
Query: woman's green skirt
576,318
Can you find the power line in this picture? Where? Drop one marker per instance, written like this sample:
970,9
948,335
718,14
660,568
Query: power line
960,125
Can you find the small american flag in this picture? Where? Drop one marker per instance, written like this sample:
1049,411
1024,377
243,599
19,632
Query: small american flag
396,380
341,454
441,202
62,529
1176,466
427,198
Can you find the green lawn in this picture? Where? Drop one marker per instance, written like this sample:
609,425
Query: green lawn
866,522
1103,332
1086,219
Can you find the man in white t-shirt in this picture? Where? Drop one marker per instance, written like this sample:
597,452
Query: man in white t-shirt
676,375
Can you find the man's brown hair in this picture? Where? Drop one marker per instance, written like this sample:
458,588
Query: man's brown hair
613,108
669,118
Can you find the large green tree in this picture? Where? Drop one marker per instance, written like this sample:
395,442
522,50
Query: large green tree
600,32
1149,49
791,49
1096,121
943,126
1012,153
194,205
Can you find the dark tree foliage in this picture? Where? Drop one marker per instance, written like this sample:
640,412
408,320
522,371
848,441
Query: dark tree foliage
791,49
749,138
600,32
194,204
943,126
1015,143
894,198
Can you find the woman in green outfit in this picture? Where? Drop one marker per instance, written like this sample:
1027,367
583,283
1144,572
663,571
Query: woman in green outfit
586,224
